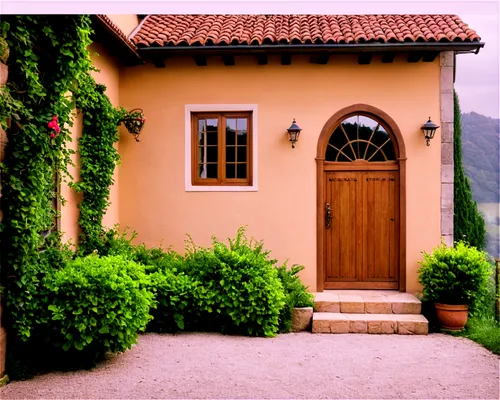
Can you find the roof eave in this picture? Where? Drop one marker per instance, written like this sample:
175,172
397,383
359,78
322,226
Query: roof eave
311,48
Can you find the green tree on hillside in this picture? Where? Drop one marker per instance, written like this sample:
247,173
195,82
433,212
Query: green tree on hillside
468,221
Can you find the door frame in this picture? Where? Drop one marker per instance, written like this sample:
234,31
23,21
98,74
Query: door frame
323,166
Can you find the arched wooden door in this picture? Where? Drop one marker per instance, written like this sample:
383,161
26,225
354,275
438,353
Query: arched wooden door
361,222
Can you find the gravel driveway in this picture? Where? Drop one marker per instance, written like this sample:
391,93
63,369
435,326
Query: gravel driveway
293,366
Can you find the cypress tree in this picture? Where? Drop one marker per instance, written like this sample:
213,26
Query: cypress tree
468,221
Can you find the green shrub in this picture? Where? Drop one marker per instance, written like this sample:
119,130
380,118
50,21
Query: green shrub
98,304
174,294
485,305
296,294
238,287
112,243
455,275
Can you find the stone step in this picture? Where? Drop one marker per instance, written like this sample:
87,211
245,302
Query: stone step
402,324
366,302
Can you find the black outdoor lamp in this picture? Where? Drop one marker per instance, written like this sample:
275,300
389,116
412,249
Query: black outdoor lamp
429,129
293,133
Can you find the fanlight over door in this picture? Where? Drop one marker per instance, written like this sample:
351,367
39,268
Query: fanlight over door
360,138
361,207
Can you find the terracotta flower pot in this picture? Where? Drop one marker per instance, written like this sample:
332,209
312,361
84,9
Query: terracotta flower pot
452,317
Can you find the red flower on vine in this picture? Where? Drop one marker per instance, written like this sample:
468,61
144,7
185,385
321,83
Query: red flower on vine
54,126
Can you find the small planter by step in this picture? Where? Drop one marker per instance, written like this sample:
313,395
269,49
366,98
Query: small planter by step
452,317
301,319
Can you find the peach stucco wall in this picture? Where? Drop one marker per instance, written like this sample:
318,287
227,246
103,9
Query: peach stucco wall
153,200
126,22
109,76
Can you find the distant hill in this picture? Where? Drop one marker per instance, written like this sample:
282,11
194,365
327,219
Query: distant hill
480,151
480,155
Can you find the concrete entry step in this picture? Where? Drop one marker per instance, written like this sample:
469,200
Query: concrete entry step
366,302
402,324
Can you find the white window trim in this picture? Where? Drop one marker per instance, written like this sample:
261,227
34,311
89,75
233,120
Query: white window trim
190,108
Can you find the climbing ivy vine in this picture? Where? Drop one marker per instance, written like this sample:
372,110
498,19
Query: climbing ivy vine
98,158
48,57
50,76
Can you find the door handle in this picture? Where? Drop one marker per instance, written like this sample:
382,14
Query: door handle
328,216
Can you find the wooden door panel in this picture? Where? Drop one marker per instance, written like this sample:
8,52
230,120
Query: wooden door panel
380,226
343,237
362,244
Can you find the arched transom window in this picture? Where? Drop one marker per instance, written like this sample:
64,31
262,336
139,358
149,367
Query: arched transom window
359,137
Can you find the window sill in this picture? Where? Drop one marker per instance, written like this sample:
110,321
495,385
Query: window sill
195,188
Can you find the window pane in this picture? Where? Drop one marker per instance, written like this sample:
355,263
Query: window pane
231,123
207,154
241,171
230,170
202,171
201,125
212,138
378,156
230,136
361,147
212,171
242,153
201,138
389,151
212,125
241,124
212,154
230,154
242,137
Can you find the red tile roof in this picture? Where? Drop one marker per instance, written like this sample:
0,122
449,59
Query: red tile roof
220,30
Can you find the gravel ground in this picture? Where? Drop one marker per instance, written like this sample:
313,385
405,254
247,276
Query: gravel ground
293,366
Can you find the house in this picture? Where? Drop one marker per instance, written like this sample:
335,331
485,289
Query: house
355,199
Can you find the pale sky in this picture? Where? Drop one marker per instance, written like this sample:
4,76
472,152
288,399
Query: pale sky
477,76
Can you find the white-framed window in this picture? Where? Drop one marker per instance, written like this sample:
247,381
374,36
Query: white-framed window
221,148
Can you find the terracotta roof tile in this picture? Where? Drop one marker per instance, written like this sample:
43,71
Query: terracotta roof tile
206,30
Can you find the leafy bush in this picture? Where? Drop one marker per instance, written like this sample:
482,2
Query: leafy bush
455,275
111,242
485,306
296,294
174,291
99,304
238,287
174,295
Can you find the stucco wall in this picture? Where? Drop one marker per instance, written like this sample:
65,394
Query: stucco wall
153,200
109,76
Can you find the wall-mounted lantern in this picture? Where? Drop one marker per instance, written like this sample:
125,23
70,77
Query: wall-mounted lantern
293,133
429,129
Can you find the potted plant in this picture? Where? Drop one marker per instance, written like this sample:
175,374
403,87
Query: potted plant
134,121
455,279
